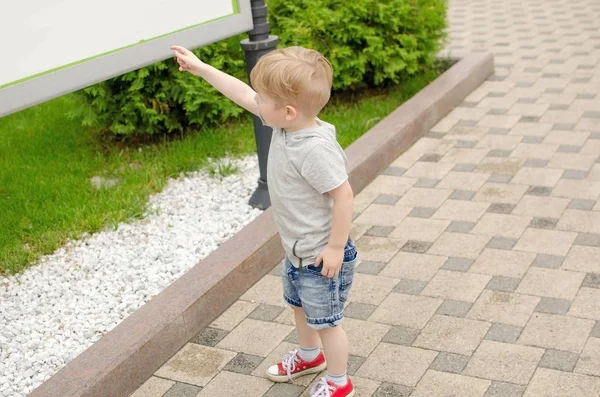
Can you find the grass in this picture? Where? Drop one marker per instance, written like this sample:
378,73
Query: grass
47,162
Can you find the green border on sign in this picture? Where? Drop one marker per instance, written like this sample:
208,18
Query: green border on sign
236,10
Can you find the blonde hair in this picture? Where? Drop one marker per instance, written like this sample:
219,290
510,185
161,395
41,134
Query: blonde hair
295,76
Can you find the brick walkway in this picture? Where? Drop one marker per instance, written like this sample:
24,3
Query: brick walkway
480,246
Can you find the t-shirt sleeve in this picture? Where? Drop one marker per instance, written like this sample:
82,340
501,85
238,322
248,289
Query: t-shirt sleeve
324,167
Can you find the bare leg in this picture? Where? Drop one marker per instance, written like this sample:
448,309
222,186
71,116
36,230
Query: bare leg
307,336
335,344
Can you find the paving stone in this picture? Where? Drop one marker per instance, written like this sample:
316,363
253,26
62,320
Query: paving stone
545,177
435,135
459,245
588,239
536,163
503,333
255,337
406,310
209,337
465,144
195,364
541,207
387,199
460,227
551,283
563,127
500,208
462,195
416,246
509,264
500,178
422,212
153,387
378,249
244,363
430,157
458,210
543,223
392,390
577,204
370,267
401,336
424,197
394,171
371,289
379,231
583,259
457,264
452,334
503,307
465,167
456,285
454,308
585,304
444,384
397,364
505,284
383,215
550,331
225,382
532,139
589,362
591,280
500,242
499,131
182,390
413,266
553,306
559,360
266,312
548,261
450,362
364,336
354,363
503,389
284,390
543,241
411,287
359,311
539,191
558,106
292,337
268,290
504,362
551,383
419,229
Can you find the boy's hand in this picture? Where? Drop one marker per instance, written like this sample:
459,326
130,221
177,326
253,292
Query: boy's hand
332,259
188,62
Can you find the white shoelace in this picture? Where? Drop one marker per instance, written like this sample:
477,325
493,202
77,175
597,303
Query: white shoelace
322,389
289,362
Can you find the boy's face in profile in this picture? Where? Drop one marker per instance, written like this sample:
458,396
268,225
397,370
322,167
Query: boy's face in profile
274,114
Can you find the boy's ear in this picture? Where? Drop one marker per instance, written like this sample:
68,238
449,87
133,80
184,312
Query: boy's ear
290,113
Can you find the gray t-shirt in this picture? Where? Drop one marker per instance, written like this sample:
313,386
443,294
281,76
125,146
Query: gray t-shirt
302,167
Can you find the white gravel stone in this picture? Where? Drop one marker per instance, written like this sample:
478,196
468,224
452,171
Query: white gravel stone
54,310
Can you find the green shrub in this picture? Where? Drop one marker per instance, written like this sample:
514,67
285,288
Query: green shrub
369,43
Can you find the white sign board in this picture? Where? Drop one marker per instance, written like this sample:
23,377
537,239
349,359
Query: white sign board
52,47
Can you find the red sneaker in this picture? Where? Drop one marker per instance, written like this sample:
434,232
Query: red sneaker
328,389
292,367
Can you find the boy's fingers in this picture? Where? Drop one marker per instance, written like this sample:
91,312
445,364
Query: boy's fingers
180,50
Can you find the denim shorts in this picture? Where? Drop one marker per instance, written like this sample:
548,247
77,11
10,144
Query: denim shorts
321,298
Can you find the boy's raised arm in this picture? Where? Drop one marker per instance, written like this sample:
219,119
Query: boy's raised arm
234,89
